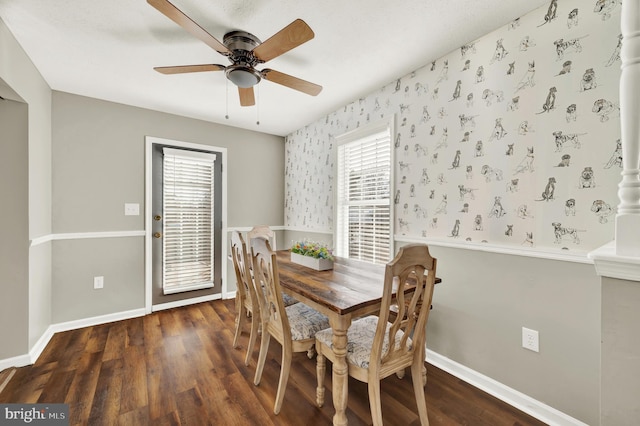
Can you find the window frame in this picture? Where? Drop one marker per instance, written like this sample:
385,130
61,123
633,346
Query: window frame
362,134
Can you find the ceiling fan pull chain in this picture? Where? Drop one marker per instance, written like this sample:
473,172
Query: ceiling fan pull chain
226,88
258,107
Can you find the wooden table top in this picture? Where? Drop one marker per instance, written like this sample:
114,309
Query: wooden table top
350,286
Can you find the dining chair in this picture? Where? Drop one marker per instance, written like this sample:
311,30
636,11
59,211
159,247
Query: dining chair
370,356
247,305
263,231
294,326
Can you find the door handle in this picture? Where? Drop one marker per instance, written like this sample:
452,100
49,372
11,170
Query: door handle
157,234
157,217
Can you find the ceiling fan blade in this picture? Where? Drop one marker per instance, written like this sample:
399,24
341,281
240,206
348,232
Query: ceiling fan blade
293,35
291,82
189,68
176,15
247,97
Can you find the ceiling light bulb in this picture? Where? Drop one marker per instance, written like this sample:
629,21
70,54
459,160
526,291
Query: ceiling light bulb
243,77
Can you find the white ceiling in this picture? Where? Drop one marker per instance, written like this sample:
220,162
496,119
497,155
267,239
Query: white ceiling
107,50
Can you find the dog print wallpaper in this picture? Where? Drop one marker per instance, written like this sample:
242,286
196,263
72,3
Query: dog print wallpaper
512,140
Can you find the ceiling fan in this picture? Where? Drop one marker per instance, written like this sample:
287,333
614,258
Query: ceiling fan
244,51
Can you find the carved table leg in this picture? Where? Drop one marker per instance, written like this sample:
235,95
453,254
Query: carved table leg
340,375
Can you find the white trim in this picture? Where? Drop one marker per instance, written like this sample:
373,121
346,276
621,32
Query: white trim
312,230
16,361
84,235
149,142
610,264
522,402
492,248
248,228
185,302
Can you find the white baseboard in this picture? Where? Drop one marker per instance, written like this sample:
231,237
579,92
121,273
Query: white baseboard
16,361
504,393
185,302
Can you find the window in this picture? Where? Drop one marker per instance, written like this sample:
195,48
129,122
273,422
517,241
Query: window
363,207
188,255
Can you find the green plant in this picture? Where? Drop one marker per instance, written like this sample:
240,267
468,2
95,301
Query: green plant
312,249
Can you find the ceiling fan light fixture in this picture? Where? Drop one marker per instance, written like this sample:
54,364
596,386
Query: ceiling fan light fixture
242,76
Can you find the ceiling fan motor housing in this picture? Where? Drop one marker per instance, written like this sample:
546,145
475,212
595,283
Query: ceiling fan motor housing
242,72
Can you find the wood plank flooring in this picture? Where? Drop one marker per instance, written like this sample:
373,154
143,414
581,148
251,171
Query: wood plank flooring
177,367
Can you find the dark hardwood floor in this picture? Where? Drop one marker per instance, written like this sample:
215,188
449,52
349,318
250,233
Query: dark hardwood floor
177,367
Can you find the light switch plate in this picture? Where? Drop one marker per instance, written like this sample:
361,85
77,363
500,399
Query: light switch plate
132,209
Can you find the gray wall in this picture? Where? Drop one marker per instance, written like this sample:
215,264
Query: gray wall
14,229
620,349
21,81
98,165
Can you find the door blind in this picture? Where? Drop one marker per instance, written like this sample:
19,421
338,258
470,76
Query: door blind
364,201
187,220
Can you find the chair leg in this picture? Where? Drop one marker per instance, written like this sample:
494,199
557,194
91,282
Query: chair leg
240,319
418,389
264,347
374,401
252,338
284,377
321,368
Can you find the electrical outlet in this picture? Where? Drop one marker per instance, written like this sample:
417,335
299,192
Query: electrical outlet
530,339
131,209
98,282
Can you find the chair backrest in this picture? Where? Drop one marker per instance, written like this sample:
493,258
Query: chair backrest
241,265
263,231
412,266
265,274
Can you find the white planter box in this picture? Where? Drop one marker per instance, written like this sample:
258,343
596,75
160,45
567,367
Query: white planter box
313,263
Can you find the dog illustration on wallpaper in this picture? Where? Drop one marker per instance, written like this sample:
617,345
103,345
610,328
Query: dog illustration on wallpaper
434,223
572,19
509,150
477,223
412,191
403,225
420,88
588,81
568,139
565,46
565,161
420,150
424,178
523,212
432,194
550,102
512,68
490,173
526,43
435,93
551,12
465,137
570,207
602,210
456,91
466,192
509,231
480,74
442,207
441,179
420,212
455,231
443,139
396,198
549,190
490,96
434,158
469,172
467,120
604,108
467,49
498,130
500,53
513,105
444,73
470,100
456,161
529,77
560,232
616,157
512,185
528,240
524,128
425,115
465,208
587,178
615,56
467,65
566,68
572,113
412,133
479,149
497,210
605,7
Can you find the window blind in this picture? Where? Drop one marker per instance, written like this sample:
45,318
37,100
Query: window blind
363,198
187,220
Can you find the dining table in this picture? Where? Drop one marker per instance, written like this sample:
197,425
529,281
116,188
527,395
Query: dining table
352,289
